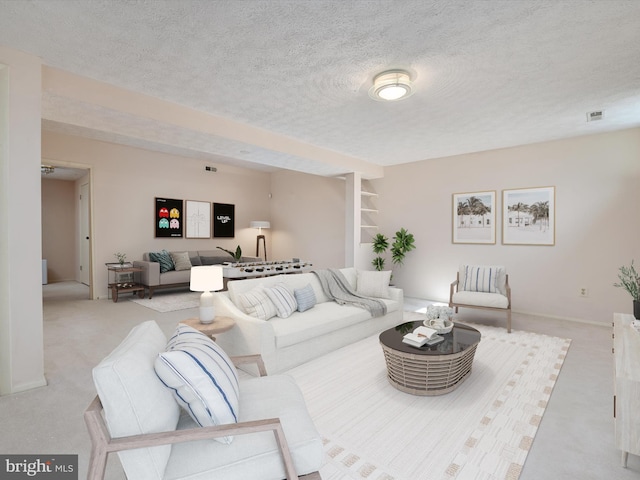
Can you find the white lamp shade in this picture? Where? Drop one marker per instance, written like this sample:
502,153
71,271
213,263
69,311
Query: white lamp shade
260,224
206,279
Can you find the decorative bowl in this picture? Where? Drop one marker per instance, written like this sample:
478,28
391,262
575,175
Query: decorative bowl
448,326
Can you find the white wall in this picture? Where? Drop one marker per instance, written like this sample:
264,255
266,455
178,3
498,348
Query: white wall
125,182
21,333
597,180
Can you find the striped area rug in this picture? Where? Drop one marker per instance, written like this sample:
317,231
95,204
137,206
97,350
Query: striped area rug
482,430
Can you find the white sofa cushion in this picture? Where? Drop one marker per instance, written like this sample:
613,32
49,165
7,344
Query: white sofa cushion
282,297
373,283
482,278
481,299
323,318
351,274
257,303
134,399
254,455
202,378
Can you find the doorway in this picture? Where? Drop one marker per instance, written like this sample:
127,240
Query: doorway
66,223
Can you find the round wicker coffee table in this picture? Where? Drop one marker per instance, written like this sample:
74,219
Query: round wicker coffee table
429,370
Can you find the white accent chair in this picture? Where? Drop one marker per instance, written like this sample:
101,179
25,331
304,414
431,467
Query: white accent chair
482,286
136,415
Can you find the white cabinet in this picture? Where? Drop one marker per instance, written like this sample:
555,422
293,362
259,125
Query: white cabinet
626,400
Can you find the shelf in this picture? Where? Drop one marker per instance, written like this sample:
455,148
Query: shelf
368,226
370,210
368,194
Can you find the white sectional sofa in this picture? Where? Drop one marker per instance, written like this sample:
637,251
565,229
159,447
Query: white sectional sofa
287,342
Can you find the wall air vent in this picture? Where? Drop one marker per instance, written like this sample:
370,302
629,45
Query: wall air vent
593,116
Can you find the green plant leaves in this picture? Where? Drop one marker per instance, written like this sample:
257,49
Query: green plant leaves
630,281
237,255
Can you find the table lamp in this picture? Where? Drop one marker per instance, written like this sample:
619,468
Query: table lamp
260,224
206,280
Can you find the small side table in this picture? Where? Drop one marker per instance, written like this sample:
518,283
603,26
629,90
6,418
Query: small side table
219,325
124,286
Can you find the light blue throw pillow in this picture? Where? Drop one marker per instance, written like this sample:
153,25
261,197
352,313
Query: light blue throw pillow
305,297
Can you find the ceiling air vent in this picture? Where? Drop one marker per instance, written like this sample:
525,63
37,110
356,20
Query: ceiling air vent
593,116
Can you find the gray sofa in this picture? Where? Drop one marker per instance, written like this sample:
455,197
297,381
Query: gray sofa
153,280
285,343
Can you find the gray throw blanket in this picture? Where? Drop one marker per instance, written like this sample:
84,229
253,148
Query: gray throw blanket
337,287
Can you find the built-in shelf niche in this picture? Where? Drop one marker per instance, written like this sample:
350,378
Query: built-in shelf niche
368,212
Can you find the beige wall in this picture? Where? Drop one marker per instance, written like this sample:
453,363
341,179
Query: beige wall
596,195
125,182
597,181
308,214
59,232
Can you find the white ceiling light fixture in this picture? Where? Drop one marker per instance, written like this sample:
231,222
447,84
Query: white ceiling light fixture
391,85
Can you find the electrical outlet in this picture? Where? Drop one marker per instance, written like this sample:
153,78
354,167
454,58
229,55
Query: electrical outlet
584,292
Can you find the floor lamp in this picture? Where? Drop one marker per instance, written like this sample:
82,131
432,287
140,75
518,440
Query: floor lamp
260,224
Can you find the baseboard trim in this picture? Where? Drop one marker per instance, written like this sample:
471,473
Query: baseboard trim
568,319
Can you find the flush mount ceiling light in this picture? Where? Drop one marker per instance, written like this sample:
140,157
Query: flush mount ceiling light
391,85
47,169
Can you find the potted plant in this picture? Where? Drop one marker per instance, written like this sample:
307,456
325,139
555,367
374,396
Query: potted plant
630,281
380,245
403,242
237,255
121,258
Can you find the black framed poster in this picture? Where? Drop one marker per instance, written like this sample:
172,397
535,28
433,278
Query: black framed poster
168,217
224,220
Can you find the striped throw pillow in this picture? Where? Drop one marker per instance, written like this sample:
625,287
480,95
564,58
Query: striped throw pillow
480,279
203,379
283,299
305,298
256,303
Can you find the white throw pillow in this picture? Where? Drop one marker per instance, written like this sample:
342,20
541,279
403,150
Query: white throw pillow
480,279
283,299
256,303
202,377
373,283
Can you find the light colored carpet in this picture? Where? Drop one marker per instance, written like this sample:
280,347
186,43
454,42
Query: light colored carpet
170,302
482,430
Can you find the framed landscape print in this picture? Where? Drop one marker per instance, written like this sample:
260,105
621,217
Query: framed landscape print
168,217
223,220
474,217
528,216
198,219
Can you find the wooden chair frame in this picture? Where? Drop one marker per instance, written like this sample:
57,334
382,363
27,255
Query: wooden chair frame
102,444
454,288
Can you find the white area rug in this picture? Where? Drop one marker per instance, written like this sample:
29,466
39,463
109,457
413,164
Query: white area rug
170,302
482,430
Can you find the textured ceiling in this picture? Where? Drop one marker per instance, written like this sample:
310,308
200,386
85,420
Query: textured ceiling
488,74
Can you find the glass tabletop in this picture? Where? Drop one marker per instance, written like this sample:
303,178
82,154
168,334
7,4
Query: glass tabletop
458,340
